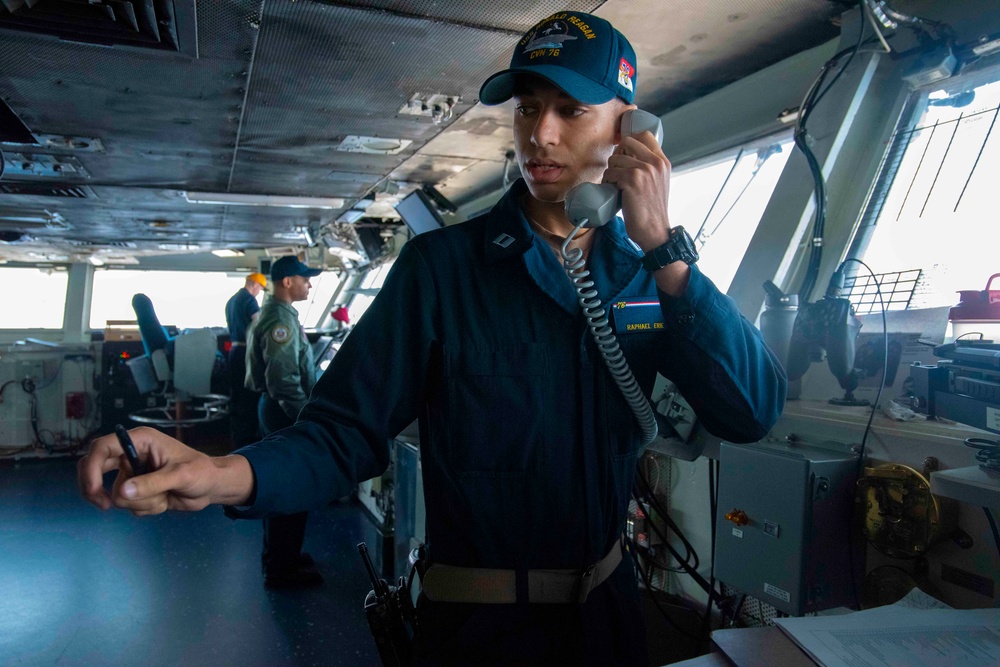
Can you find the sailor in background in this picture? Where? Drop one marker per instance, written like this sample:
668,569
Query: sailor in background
241,310
280,367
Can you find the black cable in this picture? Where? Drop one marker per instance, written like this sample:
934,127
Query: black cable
29,388
736,611
819,193
652,594
993,525
885,356
651,554
916,23
713,501
684,563
650,496
2,165
840,72
988,454
655,502
868,427
55,376
687,567
819,182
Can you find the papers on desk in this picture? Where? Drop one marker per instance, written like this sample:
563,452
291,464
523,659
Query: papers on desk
917,631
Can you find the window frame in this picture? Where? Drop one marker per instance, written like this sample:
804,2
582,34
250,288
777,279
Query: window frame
735,154
53,268
911,122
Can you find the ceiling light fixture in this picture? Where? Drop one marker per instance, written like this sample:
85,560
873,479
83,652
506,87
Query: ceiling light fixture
373,145
231,199
226,252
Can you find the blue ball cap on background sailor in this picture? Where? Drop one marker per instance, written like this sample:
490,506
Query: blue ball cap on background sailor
291,266
582,54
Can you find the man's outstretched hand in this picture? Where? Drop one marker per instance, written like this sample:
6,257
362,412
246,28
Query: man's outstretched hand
181,478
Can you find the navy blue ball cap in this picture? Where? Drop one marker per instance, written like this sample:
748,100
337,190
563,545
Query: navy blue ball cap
291,266
582,54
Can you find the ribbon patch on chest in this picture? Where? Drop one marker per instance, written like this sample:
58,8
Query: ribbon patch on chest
639,315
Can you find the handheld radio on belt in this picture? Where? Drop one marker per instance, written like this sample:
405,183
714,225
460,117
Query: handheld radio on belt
388,609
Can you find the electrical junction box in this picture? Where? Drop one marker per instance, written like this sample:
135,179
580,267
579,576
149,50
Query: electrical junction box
783,525
935,64
76,405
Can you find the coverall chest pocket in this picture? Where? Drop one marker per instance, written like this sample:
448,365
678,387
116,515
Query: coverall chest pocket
496,404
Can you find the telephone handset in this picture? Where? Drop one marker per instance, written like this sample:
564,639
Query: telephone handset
598,204
592,205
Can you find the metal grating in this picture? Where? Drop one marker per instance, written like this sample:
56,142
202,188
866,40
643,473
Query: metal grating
896,289
513,16
45,190
101,244
352,85
153,24
752,613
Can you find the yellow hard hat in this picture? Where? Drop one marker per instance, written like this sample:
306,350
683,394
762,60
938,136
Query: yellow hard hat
258,278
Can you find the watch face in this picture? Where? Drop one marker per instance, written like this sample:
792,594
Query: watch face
685,245
680,247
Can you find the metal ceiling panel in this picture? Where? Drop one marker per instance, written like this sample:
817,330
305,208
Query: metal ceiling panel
279,84
168,24
323,72
688,49
146,107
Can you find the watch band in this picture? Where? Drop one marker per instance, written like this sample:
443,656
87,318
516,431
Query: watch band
678,248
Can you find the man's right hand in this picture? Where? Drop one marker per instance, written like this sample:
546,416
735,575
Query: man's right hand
181,478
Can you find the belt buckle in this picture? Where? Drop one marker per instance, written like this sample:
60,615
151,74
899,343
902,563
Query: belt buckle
586,583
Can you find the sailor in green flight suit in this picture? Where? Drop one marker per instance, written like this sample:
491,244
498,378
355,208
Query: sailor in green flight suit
280,366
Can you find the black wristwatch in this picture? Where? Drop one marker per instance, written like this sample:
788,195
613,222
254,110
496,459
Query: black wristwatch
679,248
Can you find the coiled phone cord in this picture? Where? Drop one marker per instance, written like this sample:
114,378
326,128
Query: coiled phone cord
597,320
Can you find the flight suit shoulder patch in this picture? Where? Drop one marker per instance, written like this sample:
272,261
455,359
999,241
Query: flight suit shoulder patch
280,334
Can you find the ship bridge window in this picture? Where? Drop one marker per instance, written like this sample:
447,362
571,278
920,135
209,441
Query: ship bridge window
185,299
37,302
933,207
324,287
190,299
720,200
370,286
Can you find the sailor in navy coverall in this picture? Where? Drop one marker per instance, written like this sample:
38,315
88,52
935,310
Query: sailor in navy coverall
528,447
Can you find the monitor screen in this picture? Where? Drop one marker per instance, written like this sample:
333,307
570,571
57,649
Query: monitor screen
371,241
324,349
321,347
143,374
418,213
